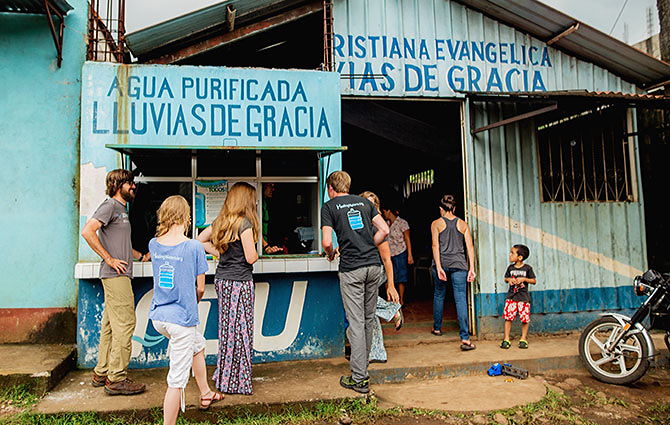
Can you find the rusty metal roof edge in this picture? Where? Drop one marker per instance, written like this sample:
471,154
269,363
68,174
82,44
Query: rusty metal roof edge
569,93
507,11
146,40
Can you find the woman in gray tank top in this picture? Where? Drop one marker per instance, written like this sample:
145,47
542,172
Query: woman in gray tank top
451,240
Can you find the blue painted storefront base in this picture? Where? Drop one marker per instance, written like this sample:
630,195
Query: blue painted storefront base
558,310
297,316
546,322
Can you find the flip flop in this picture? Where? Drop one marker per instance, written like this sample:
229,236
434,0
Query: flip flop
214,398
400,321
467,346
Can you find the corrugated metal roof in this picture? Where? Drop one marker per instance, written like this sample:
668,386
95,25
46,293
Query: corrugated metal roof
572,94
201,22
545,22
32,6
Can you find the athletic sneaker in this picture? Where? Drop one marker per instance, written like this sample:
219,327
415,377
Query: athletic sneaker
505,344
362,387
98,380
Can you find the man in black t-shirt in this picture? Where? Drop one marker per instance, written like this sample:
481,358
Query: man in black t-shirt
354,220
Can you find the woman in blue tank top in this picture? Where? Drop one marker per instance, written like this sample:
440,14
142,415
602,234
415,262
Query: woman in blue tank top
451,239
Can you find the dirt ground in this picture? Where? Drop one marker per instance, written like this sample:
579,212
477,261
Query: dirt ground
574,398
571,398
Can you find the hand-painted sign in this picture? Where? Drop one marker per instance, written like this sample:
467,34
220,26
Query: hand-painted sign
467,65
295,317
434,48
208,106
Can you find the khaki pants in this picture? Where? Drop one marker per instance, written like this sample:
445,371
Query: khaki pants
116,329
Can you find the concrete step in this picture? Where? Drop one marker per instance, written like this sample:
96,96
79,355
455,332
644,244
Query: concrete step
38,367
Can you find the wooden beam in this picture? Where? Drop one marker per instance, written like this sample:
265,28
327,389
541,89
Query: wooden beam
567,32
238,34
516,118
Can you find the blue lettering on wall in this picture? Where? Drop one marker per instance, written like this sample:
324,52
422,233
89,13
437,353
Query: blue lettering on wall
190,106
476,65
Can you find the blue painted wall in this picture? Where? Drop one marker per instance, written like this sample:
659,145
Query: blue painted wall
297,316
39,136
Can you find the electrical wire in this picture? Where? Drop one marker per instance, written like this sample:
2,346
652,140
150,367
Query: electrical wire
616,21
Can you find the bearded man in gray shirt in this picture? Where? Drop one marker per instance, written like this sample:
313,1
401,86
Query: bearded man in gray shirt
107,232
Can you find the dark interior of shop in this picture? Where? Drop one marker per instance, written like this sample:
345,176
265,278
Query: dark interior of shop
409,154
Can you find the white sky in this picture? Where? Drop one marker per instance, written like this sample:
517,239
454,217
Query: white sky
600,14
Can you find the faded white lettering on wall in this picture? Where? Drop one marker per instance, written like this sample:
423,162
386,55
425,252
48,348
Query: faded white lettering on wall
262,343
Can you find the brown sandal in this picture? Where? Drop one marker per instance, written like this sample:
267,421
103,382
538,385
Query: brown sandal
214,398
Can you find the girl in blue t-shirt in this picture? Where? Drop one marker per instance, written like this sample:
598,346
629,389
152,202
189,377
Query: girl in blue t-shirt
179,267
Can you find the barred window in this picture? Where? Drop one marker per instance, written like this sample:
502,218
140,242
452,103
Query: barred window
419,181
587,157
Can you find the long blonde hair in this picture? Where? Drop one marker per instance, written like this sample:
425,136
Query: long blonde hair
173,211
240,204
370,196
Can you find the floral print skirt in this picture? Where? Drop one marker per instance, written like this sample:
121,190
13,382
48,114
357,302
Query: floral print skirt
236,330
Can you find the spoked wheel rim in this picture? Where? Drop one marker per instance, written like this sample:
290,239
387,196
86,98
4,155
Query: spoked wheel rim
622,362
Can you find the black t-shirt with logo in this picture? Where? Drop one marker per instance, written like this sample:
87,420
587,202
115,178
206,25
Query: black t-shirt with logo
351,218
519,292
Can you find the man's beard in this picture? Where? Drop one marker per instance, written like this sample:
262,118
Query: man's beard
127,195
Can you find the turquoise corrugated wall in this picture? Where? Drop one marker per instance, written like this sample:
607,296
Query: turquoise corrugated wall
585,254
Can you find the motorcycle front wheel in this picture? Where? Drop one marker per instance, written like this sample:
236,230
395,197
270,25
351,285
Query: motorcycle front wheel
627,363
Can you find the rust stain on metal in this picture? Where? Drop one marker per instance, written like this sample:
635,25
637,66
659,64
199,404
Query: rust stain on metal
122,121
214,42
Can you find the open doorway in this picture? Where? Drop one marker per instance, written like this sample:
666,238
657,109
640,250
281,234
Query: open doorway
409,153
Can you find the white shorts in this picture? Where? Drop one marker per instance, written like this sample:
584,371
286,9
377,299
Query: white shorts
185,342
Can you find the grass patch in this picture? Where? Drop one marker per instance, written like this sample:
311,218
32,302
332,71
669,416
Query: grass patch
18,396
359,410
658,413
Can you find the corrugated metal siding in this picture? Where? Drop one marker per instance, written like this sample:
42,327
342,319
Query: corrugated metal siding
581,251
584,254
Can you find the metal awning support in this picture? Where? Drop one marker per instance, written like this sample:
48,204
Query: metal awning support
516,118
230,17
51,8
238,34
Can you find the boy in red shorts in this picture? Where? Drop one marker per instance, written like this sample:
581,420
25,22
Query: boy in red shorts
518,276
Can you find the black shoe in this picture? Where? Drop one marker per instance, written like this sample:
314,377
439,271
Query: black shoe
362,387
378,361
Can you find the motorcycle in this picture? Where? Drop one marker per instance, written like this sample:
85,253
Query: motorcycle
617,349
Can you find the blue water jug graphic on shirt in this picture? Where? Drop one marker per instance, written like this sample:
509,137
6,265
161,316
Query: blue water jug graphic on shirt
166,276
355,219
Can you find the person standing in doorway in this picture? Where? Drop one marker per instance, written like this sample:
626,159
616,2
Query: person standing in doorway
108,234
232,237
450,239
354,220
401,248
268,192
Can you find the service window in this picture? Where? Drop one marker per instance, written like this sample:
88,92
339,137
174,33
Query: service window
287,183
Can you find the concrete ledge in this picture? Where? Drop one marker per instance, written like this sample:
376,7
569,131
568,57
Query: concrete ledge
39,367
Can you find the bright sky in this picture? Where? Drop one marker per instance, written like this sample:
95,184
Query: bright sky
600,14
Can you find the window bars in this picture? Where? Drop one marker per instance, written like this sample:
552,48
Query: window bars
587,157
